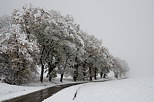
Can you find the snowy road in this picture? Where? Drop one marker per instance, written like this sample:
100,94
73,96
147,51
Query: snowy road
39,96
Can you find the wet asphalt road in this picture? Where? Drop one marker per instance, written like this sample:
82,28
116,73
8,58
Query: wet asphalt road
39,96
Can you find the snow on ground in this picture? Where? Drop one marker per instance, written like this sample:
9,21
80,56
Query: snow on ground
11,91
126,90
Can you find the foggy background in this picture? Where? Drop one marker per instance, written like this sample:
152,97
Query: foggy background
126,27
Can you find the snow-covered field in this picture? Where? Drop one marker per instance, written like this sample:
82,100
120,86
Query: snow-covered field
126,90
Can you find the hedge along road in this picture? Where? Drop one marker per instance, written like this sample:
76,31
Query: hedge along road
39,96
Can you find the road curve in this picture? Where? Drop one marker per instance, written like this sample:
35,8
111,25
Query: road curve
39,96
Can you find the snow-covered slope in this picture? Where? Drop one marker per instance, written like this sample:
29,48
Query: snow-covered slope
126,90
9,91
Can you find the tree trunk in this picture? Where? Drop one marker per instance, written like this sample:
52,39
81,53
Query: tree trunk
62,75
91,78
61,78
90,73
42,70
95,72
116,75
51,67
74,78
84,71
101,74
49,73
75,73
84,76
42,65
104,76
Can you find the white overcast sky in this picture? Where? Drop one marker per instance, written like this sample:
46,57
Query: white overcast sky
125,26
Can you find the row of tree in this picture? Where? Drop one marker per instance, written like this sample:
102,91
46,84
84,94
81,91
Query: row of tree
33,37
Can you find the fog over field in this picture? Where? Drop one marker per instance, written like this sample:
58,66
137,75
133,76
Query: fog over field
126,27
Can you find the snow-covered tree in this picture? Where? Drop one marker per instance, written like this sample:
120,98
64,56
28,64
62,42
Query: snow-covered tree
19,65
92,48
52,31
62,46
5,23
120,67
